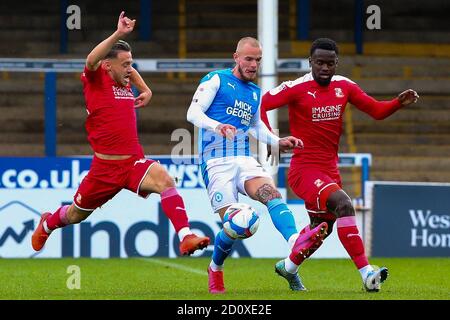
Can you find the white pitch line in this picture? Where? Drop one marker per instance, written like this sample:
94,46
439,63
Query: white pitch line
175,265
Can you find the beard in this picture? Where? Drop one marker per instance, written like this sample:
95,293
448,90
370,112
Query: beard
122,80
244,77
323,82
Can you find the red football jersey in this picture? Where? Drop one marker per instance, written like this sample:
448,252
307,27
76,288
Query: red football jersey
111,122
315,114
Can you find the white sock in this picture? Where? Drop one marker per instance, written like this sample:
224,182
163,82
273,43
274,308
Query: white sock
214,267
184,232
364,271
44,225
290,266
292,240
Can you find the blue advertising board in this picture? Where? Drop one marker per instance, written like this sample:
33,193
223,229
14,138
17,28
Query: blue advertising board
411,220
67,172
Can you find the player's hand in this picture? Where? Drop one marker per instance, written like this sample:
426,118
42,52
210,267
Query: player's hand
226,130
142,99
125,25
288,143
407,97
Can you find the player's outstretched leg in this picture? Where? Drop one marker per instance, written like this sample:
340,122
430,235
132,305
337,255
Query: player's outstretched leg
295,283
375,278
173,206
40,235
351,240
307,241
215,281
191,243
47,224
282,218
222,248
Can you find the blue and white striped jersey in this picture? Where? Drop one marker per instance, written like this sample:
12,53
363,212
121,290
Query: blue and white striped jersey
226,99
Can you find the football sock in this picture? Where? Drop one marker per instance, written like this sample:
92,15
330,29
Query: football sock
214,267
183,233
222,248
173,206
57,219
351,240
365,270
292,240
290,266
282,217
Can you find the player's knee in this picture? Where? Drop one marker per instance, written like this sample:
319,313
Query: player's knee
76,216
340,204
167,182
163,182
267,192
77,219
158,179
344,208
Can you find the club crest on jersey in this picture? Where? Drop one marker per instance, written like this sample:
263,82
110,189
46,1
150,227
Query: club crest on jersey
255,96
339,93
218,197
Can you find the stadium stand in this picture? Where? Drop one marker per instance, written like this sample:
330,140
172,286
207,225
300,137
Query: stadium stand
412,145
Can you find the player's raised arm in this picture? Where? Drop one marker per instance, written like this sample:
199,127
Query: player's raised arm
380,110
124,26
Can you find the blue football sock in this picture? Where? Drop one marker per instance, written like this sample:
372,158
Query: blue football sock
282,218
222,248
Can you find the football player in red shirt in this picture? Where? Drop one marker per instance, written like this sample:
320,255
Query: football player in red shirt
316,105
119,161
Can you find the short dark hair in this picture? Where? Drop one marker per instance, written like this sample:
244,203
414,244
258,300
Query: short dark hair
118,46
325,44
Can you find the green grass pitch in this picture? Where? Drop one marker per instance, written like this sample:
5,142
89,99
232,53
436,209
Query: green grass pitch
245,279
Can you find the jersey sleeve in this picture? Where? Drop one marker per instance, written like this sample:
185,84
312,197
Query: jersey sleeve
276,98
203,97
91,75
376,109
260,131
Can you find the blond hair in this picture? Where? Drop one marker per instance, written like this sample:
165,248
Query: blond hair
247,40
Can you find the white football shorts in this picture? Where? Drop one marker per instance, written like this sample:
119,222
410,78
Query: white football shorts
225,178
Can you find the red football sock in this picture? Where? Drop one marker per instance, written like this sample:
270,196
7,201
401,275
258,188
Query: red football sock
351,240
173,207
58,219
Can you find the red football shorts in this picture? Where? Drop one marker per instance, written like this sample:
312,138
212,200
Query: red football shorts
314,186
107,177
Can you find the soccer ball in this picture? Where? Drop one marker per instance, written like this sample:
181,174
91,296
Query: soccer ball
240,221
